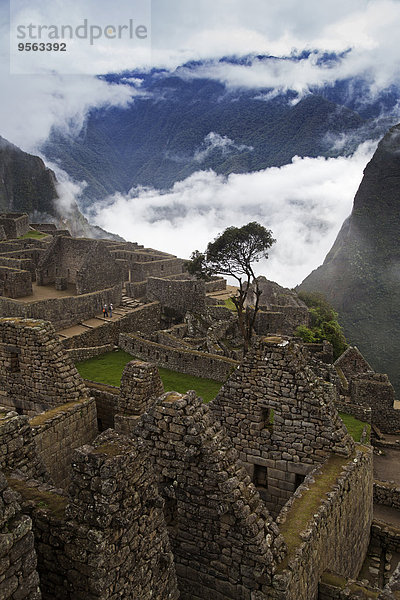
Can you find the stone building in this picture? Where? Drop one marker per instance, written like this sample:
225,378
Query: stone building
362,389
13,225
86,264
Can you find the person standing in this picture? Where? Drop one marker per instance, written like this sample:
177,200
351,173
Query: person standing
105,311
110,308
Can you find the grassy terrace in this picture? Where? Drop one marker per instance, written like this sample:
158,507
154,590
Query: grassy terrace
303,508
35,235
354,427
47,500
108,369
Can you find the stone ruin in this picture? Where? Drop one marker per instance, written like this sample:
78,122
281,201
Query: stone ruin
289,424
180,499
366,394
177,499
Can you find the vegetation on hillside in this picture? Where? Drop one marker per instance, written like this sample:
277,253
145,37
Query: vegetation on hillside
323,323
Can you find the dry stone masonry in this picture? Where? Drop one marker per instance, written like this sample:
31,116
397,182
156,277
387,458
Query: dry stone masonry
35,373
19,579
175,499
225,544
280,418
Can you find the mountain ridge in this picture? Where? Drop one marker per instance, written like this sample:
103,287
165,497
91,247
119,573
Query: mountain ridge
360,275
156,141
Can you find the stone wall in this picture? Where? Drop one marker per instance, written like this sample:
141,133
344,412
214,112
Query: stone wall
59,431
62,312
191,362
216,285
362,413
136,290
80,354
106,398
109,537
140,382
15,283
334,587
177,296
385,536
352,363
21,264
224,542
387,493
14,224
35,373
282,319
86,263
17,446
280,418
145,319
375,391
19,579
340,525
140,271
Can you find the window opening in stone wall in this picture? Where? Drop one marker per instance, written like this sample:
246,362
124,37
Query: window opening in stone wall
170,504
171,512
14,362
260,480
268,418
299,480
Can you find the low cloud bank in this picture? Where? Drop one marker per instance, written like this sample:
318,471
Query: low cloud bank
304,203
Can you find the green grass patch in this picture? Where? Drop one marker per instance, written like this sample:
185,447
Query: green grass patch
42,418
36,235
354,426
334,579
108,369
229,304
303,508
47,500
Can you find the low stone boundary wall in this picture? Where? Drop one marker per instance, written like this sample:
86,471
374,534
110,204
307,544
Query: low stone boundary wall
59,431
191,362
220,313
106,398
362,413
217,285
62,312
145,319
79,354
387,493
342,521
334,587
388,421
386,536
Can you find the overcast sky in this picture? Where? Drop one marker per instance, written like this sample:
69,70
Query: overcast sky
182,30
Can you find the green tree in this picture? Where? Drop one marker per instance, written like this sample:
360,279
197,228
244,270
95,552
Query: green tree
323,323
234,253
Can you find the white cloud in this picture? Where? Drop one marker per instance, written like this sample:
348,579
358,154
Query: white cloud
200,29
304,203
31,105
215,141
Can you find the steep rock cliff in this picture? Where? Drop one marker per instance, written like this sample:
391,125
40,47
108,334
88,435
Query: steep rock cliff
27,185
361,274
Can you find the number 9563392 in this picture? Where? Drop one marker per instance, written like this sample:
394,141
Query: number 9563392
42,47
